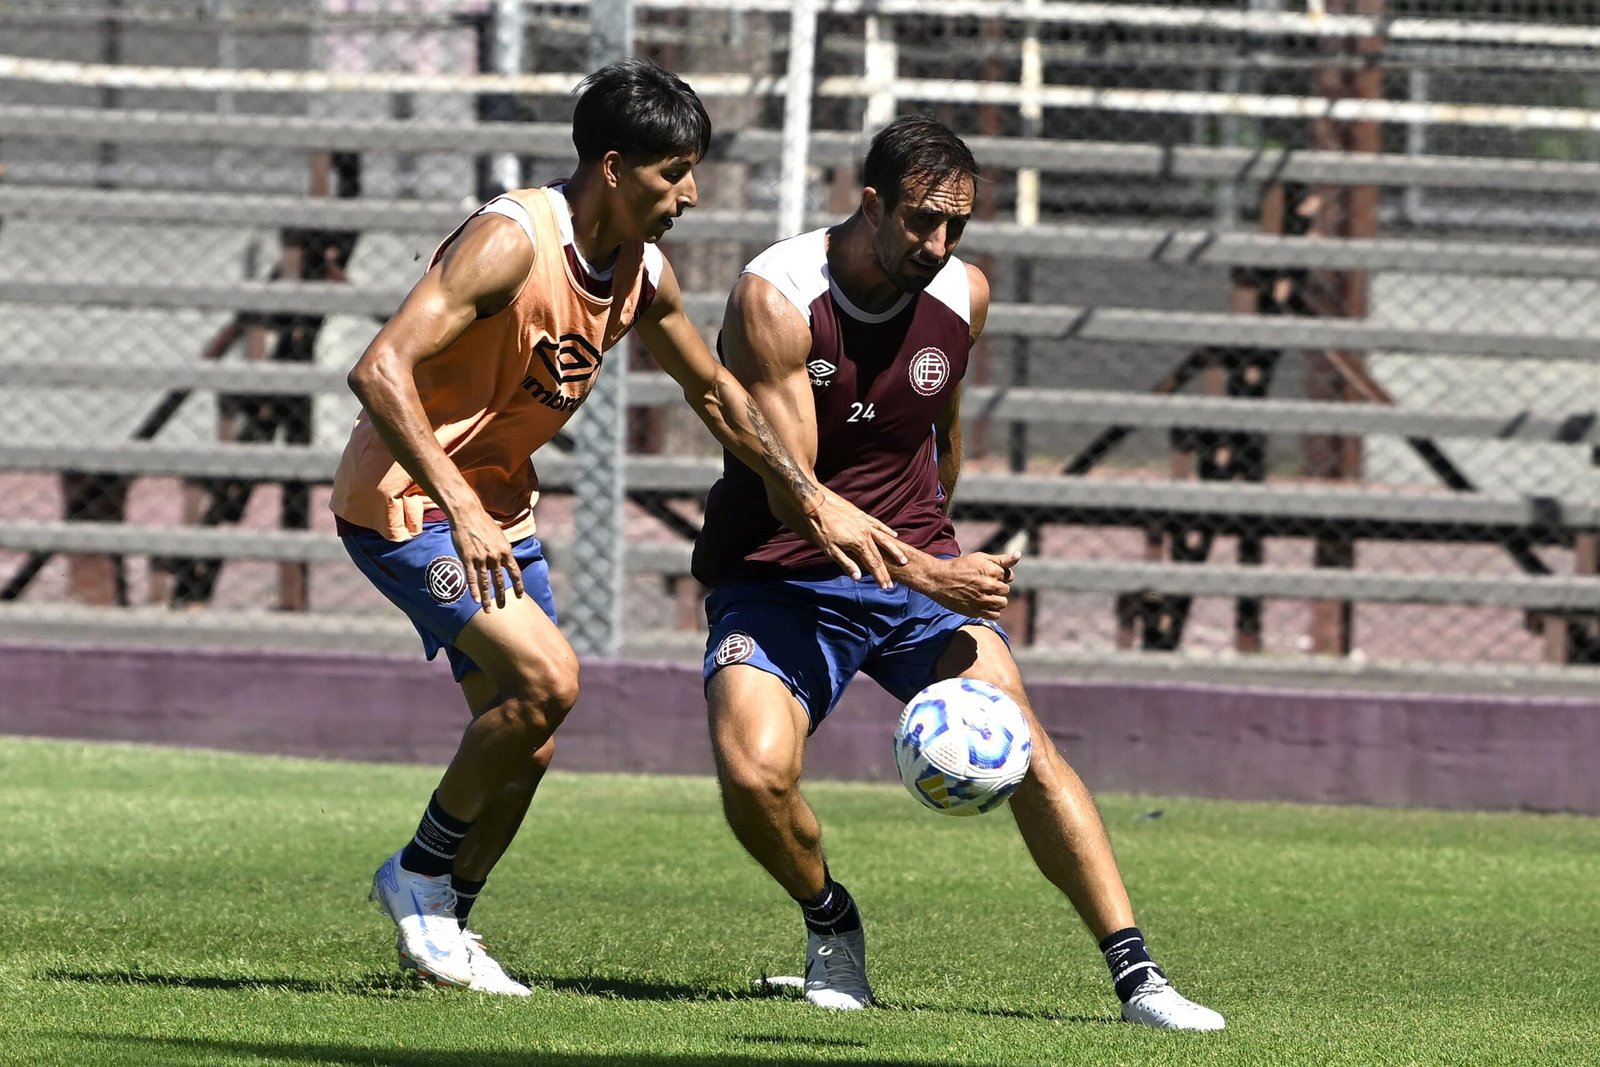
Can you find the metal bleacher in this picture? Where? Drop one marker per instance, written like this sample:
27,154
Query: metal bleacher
1517,522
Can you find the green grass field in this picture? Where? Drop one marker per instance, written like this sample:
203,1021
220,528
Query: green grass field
180,907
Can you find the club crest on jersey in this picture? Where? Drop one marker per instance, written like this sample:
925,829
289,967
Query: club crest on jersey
930,369
447,579
735,648
821,372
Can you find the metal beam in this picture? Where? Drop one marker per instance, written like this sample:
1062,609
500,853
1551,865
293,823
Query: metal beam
1073,407
1184,329
1564,593
827,148
1172,247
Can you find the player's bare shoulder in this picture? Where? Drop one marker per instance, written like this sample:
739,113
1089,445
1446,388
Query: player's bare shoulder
486,263
762,323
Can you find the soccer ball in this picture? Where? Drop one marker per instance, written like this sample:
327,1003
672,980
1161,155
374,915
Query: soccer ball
962,746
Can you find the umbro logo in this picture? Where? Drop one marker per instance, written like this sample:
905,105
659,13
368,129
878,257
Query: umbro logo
571,359
821,372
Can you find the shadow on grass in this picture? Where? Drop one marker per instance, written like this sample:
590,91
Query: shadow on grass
391,984
380,985
628,989
180,1052
1024,1014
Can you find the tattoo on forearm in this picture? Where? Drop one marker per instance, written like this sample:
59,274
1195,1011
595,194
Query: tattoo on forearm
777,456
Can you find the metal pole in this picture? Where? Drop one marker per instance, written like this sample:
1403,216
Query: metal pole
1032,80
879,66
505,170
594,618
610,31
797,117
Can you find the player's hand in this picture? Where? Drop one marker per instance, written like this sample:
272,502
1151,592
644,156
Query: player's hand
486,555
854,540
976,584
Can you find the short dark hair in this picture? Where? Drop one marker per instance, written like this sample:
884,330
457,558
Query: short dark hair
639,109
915,150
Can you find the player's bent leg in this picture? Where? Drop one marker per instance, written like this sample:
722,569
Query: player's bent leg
482,848
758,736
1067,839
1053,808
758,733
534,670
500,820
516,652
498,823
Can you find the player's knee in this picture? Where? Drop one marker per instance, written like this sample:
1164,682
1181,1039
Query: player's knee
759,773
552,689
1046,765
538,711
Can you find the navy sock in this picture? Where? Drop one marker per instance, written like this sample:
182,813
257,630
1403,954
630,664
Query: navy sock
832,911
466,896
1129,960
432,850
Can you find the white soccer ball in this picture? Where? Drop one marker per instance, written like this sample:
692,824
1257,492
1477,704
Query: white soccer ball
962,746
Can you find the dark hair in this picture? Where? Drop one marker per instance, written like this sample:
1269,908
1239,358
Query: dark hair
915,151
639,109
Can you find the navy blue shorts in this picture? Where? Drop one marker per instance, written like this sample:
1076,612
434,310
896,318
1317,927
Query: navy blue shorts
424,578
816,633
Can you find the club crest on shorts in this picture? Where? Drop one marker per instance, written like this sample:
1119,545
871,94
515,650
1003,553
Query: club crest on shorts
735,648
447,579
930,369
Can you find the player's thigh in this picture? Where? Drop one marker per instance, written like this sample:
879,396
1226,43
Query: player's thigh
799,631
978,652
758,728
521,652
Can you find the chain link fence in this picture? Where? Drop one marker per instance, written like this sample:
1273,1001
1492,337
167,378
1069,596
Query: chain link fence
1292,354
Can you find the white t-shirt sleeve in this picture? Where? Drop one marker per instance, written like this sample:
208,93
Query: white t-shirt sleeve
512,210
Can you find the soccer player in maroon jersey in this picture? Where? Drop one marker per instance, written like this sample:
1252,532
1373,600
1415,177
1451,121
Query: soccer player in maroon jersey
854,340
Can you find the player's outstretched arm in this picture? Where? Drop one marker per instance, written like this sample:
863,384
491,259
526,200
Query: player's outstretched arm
478,275
758,410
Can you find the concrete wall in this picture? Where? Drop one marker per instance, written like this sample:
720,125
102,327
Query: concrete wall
1191,740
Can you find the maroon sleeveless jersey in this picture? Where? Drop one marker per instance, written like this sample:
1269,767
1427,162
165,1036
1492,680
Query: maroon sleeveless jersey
879,381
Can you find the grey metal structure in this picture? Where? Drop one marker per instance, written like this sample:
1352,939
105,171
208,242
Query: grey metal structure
1319,376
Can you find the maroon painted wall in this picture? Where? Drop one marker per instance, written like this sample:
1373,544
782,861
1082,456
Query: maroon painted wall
1190,740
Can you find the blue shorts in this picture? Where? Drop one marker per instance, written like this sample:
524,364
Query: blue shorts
815,633
424,578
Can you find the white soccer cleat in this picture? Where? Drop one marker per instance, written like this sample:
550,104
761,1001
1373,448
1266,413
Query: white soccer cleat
424,911
836,971
1156,1003
487,975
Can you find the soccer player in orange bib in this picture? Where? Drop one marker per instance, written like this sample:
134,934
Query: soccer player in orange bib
491,353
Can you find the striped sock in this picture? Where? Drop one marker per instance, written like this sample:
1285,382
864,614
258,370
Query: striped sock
466,896
1129,960
832,911
432,850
